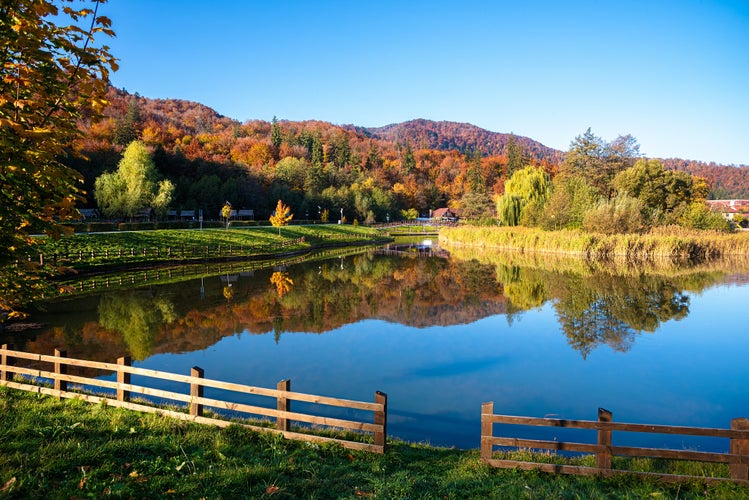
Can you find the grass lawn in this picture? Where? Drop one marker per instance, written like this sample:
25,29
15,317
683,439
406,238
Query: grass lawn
115,248
72,449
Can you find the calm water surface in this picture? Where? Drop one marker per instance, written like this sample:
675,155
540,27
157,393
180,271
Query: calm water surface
440,335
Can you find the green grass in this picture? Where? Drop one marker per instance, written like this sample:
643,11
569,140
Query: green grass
119,248
71,449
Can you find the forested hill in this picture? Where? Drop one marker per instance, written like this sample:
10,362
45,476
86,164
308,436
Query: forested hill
726,181
418,164
463,137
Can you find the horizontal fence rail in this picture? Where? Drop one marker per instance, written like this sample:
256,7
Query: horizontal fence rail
121,390
148,254
737,458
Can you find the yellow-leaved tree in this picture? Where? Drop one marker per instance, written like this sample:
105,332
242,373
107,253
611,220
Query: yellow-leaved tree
53,72
281,216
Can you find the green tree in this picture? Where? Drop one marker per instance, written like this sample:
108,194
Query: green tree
659,189
515,155
591,157
292,172
409,161
126,128
475,174
281,216
698,215
410,214
276,135
133,186
571,197
527,187
509,208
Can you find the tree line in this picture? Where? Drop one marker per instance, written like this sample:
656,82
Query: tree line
201,160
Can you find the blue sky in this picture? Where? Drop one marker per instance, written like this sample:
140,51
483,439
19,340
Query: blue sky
674,74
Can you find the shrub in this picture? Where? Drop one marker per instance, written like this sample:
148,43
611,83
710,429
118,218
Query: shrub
622,214
698,215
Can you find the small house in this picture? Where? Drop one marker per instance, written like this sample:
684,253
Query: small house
445,215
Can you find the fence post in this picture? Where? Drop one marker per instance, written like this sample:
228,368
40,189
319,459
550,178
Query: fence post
603,457
5,362
283,404
196,391
123,378
381,418
487,431
739,446
60,369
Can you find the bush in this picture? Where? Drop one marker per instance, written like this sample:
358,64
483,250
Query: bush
698,215
622,214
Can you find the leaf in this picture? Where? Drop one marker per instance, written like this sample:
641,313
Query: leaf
10,482
179,467
272,489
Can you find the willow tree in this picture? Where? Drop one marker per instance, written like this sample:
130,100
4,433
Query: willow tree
53,72
134,186
528,187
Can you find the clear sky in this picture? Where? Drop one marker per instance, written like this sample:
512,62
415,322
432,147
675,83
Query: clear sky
673,73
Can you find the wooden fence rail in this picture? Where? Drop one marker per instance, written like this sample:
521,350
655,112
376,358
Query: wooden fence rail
737,457
164,253
120,391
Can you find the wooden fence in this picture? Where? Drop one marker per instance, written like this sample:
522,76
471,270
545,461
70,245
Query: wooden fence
148,254
737,457
166,274
118,393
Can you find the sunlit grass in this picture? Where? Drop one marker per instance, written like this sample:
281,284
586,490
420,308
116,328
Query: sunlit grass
72,449
178,244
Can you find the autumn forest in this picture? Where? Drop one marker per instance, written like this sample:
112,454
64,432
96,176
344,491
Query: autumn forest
373,174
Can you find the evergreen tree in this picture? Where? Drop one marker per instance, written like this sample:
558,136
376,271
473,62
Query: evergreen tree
409,161
515,154
126,128
276,135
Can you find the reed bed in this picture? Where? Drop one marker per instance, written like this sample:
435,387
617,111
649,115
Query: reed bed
673,243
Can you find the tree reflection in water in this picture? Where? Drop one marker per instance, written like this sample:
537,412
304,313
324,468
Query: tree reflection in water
595,305
138,316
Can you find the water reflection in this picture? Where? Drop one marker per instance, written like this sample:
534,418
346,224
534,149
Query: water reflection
594,306
137,316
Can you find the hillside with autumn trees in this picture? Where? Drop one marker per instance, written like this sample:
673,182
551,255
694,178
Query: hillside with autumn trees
372,173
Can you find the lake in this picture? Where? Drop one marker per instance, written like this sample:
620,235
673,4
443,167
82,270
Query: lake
441,333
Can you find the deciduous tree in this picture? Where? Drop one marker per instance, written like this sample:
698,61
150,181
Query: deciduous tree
530,185
133,186
281,216
52,72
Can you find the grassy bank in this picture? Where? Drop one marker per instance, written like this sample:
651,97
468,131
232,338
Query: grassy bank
670,242
71,449
81,251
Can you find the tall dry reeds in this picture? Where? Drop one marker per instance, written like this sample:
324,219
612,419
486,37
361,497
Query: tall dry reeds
670,242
